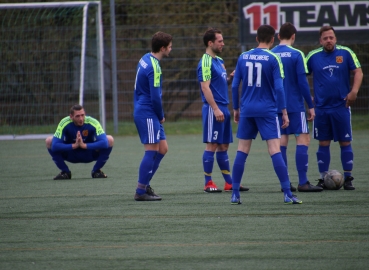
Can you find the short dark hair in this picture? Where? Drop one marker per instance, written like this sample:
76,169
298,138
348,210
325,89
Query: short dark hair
265,33
210,35
287,30
326,28
75,107
159,40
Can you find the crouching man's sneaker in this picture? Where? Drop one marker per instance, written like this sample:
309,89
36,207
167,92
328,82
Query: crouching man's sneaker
347,185
309,188
63,176
98,174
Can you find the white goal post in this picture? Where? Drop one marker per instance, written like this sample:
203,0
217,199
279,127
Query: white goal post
52,58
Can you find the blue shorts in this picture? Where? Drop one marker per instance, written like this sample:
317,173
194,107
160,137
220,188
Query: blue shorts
214,131
333,124
298,124
269,128
150,130
80,155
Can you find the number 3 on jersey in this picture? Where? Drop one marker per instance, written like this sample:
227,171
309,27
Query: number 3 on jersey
250,74
215,137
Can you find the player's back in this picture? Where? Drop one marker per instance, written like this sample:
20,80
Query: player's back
258,68
293,65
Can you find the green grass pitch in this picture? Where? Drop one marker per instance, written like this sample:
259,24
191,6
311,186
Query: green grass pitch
89,223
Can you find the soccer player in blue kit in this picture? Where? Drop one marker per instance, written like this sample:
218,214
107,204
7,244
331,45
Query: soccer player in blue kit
149,115
216,118
262,97
331,66
79,139
296,88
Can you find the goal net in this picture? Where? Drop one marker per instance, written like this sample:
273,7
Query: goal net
51,58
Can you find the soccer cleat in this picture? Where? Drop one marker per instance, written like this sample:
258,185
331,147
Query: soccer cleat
291,200
63,176
211,187
293,189
235,200
146,197
228,187
321,184
347,185
150,191
98,174
309,188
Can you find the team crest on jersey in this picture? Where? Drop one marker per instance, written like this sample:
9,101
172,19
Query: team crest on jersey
339,59
85,133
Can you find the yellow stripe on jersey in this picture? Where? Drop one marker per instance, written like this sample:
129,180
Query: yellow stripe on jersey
206,62
157,71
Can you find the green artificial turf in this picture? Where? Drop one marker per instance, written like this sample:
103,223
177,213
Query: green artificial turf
87,223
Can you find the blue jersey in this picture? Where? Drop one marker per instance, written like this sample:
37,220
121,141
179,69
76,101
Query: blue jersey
91,131
295,84
331,76
261,73
213,69
148,92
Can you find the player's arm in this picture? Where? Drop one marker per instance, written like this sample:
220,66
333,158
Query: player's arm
235,93
358,78
205,88
58,144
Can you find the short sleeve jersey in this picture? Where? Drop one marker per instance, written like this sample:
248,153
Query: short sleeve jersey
294,64
259,70
331,75
213,69
148,88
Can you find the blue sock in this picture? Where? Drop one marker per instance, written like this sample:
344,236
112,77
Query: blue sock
102,159
324,159
347,160
59,161
284,155
208,163
237,172
302,160
281,171
157,161
145,171
223,163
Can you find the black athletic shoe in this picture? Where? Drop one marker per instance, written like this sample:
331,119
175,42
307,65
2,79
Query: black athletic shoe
348,183
293,189
321,184
146,197
309,188
98,174
63,176
150,191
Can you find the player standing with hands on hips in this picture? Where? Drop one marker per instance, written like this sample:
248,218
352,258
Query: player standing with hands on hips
296,89
149,115
216,118
79,139
331,66
262,97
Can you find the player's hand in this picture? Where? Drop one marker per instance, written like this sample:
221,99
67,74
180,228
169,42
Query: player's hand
350,99
236,116
286,121
162,120
219,116
311,115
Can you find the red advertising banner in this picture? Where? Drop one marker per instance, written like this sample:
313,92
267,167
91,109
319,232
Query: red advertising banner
350,19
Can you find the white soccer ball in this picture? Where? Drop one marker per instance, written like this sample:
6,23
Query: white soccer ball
333,180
